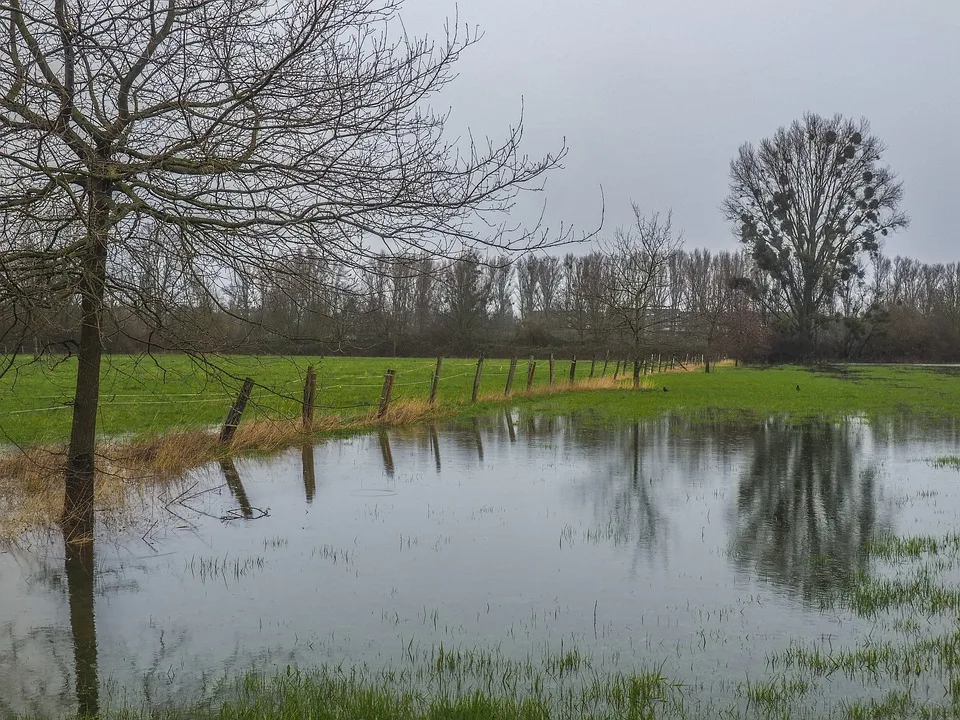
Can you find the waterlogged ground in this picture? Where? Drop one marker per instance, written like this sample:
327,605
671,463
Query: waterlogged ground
516,553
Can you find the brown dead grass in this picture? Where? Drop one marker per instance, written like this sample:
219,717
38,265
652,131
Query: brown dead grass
31,479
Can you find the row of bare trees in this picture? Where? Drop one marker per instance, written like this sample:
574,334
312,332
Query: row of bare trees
636,293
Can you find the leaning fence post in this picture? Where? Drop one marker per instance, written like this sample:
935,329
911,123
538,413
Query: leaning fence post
476,378
309,397
616,371
436,381
551,368
593,365
386,393
510,373
573,369
236,412
531,369
606,361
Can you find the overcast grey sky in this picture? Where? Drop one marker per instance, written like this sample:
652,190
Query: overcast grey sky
654,98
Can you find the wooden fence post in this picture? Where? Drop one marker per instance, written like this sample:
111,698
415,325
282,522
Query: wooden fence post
309,398
436,381
616,371
573,369
531,369
510,374
659,363
476,378
551,369
636,373
386,393
593,365
606,361
236,412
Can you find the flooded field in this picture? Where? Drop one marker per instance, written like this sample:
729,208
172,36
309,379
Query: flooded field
711,553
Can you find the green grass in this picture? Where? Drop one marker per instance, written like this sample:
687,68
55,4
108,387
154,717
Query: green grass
143,396
947,461
755,393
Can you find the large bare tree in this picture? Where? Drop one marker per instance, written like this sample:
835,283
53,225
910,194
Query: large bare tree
808,203
637,282
232,136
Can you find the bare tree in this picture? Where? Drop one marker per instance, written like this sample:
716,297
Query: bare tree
248,130
808,202
637,283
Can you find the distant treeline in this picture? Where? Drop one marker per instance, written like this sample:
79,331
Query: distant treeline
628,299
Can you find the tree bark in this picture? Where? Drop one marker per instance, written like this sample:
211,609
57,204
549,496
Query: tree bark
78,494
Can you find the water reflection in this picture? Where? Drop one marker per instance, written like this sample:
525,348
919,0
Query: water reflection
435,443
807,503
309,473
386,452
232,477
79,569
660,523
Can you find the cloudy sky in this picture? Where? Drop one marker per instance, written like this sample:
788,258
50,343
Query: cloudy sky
655,97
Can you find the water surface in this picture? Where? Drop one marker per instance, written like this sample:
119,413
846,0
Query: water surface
697,547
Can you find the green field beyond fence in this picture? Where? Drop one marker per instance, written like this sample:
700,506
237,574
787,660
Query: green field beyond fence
145,396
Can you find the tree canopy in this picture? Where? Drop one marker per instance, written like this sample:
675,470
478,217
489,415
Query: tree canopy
808,203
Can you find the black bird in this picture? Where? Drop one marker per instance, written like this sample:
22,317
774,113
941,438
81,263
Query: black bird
798,388
665,390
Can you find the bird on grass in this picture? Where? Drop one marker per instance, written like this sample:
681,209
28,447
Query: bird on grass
665,390
798,388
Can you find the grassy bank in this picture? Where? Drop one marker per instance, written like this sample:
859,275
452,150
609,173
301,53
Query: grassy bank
157,413
143,397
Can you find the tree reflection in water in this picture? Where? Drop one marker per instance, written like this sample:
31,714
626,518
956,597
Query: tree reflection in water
79,570
807,504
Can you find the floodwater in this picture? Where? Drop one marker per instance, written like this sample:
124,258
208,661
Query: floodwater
694,547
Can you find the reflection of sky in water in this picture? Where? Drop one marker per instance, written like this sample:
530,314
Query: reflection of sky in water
700,547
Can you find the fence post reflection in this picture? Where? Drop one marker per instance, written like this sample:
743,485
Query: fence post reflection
232,477
309,472
386,452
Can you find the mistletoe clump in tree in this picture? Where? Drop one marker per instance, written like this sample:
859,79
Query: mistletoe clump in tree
808,204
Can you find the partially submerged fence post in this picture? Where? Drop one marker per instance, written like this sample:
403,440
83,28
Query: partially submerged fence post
236,412
551,368
309,398
606,361
510,374
593,365
476,378
386,392
531,369
436,381
573,369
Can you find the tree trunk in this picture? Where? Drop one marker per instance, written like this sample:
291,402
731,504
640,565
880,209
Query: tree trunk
78,495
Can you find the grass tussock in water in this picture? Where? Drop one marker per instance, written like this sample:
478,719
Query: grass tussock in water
947,461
